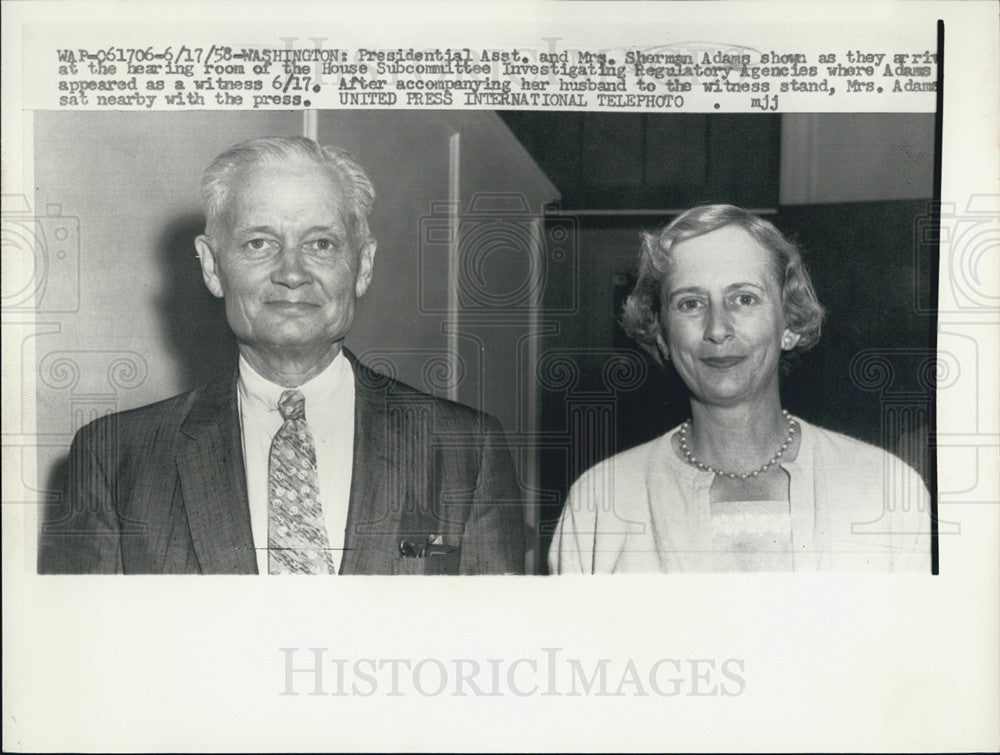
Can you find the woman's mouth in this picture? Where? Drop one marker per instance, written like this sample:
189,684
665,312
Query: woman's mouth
722,363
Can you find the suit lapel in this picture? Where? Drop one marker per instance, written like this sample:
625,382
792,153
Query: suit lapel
213,482
392,481
369,532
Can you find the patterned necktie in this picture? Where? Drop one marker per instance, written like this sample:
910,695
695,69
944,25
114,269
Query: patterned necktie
296,531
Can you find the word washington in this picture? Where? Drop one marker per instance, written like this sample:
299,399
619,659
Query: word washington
310,671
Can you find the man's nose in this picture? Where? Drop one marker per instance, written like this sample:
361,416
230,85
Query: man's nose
291,269
718,324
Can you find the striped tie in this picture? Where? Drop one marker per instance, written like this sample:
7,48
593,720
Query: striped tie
296,532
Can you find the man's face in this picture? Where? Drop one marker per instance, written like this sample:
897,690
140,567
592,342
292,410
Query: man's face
283,257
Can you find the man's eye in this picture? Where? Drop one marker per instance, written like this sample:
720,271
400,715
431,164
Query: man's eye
259,245
322,246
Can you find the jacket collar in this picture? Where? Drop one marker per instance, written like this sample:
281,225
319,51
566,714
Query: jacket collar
371,527
213,480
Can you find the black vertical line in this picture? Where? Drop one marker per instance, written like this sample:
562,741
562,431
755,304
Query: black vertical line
645,179
776,165
935,222
708,160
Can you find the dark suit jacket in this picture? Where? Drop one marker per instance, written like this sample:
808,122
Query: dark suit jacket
162,489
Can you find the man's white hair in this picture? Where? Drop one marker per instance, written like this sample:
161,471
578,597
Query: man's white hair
216,183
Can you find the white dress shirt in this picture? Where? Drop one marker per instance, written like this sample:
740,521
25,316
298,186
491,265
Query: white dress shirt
329,412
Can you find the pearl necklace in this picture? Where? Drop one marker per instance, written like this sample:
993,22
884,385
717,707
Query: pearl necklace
695,461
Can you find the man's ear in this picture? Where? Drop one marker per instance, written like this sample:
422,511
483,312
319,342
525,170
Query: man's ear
366,263
209,269
789,340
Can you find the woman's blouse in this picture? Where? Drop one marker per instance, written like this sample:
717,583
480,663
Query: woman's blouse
852,506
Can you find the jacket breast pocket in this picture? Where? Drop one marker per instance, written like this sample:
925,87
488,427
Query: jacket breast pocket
438,563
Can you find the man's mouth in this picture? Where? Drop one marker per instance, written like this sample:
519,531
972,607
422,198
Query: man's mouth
722,363
291,306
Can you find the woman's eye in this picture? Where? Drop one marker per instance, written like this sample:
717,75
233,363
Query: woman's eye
746,300
688,305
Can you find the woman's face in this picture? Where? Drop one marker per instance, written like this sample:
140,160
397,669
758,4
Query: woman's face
722,317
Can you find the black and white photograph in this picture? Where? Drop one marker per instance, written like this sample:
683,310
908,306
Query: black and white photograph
460,323
517,298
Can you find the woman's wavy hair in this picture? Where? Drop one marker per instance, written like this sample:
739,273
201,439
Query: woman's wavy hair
641,314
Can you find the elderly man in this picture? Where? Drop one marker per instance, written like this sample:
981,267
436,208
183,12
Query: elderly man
301,460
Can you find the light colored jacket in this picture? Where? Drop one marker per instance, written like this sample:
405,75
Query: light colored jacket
853,507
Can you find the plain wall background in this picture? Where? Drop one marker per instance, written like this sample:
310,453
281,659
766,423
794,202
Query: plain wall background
856,157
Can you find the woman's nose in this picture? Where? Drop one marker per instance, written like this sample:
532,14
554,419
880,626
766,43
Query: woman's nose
718,325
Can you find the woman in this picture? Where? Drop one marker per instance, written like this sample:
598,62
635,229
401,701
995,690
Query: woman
742,485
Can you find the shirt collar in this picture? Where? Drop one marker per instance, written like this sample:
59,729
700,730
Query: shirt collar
333,383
